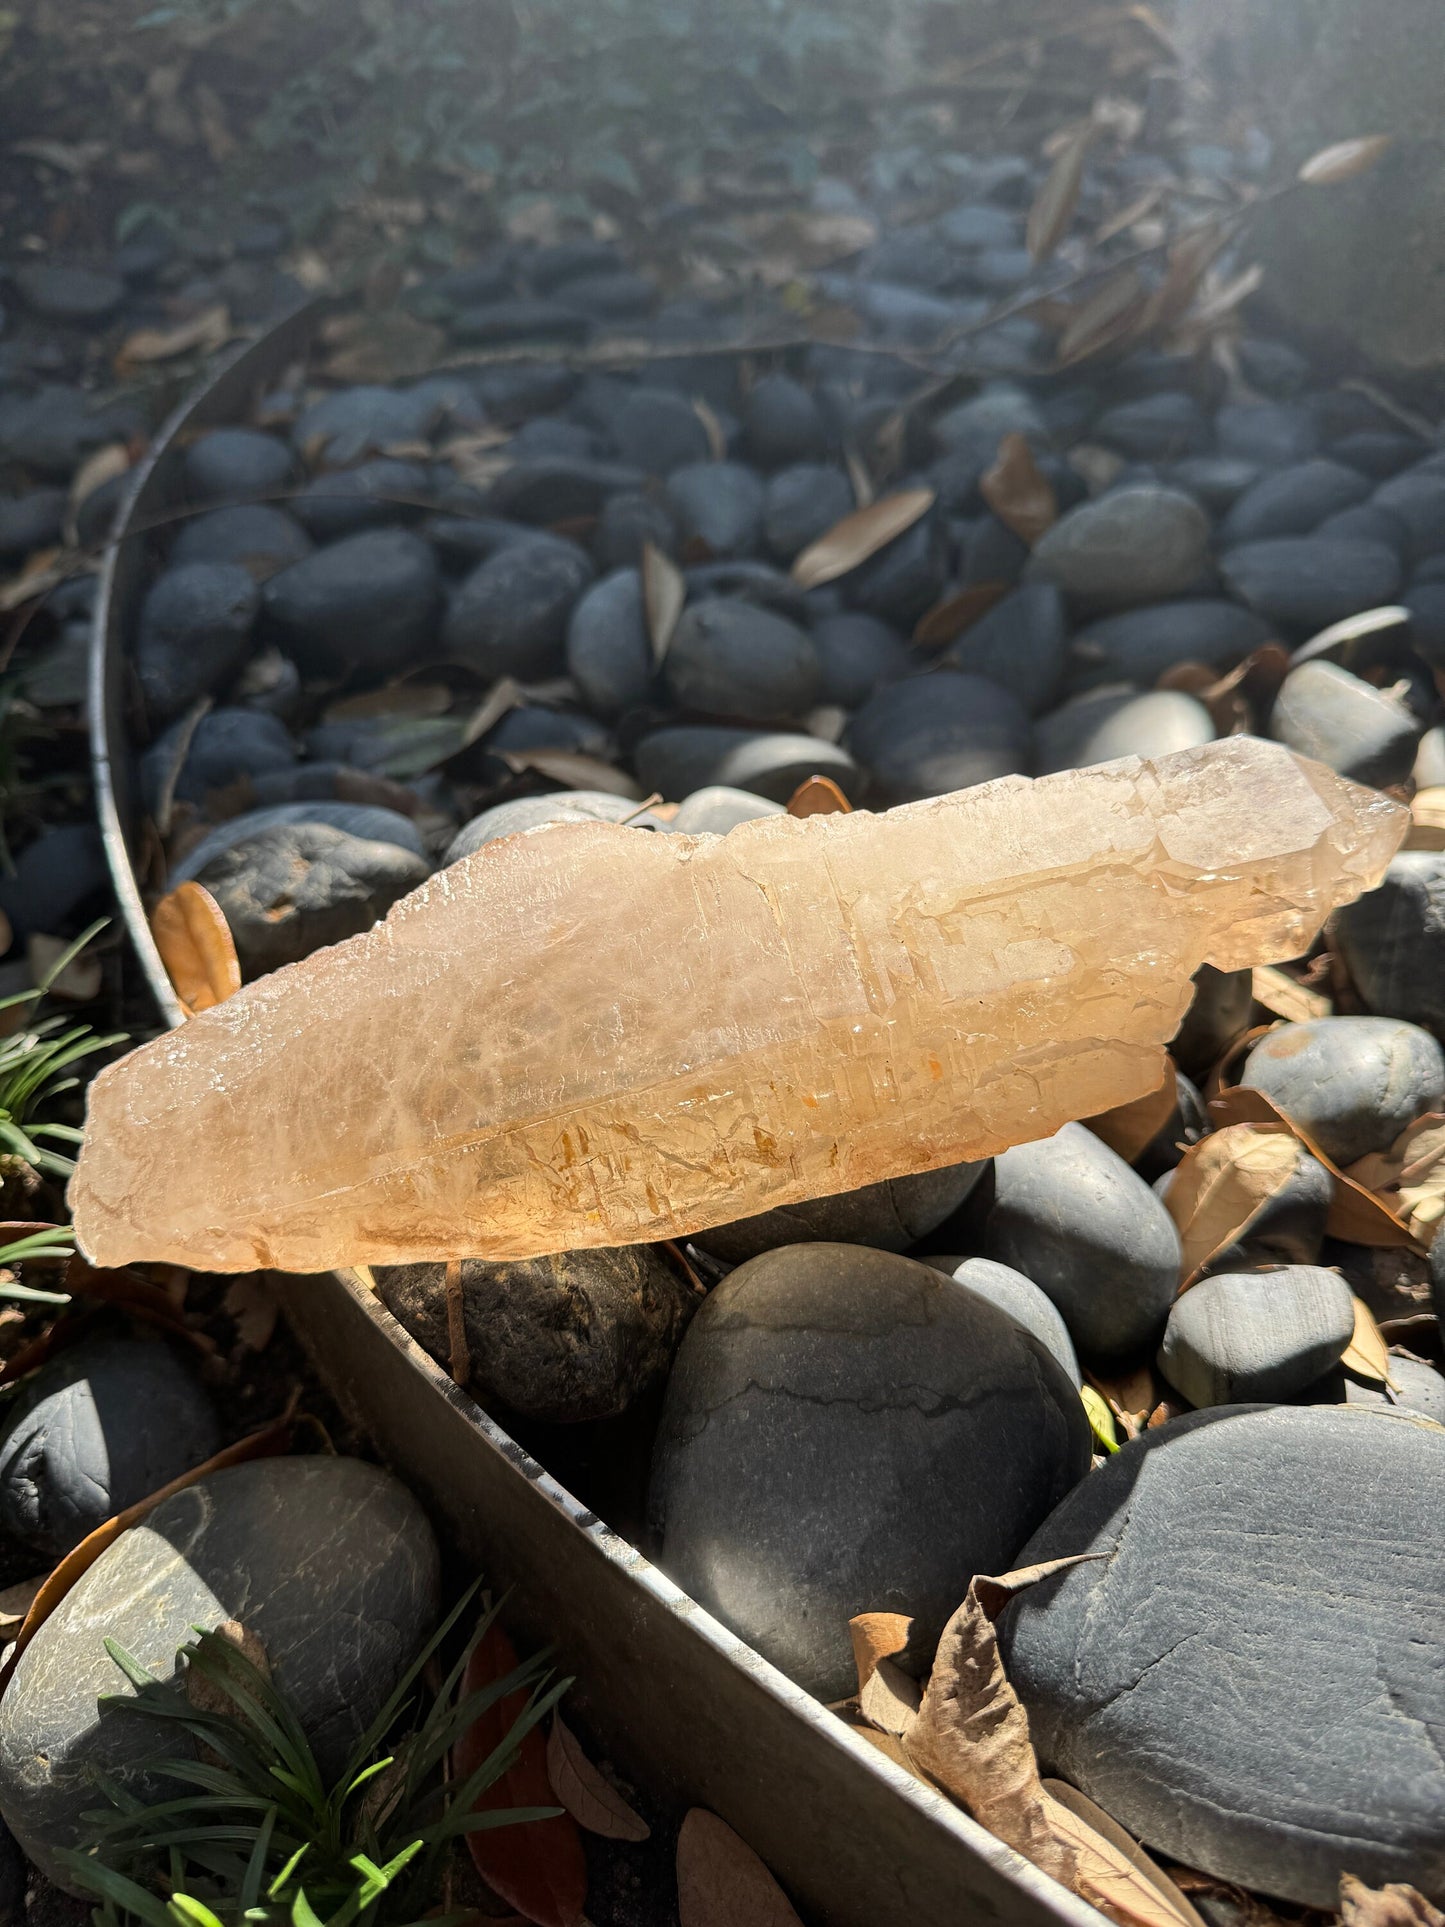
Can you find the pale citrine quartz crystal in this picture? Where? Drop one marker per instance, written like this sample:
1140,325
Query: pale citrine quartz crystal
591,1035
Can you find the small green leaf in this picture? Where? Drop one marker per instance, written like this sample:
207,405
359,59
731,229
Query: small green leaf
190,1912
1101,1419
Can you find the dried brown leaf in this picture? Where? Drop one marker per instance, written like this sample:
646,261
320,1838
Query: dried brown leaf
877,1636
1019,494
889,1699
1393,1905
1222,1184
571,767
664,591
1190,259
1058,196
1343,160
591,1801
1357,1215
947,620
202,333
1129,1127
860,535
1126,216
819,796
96,470
396,699
196,947
1102,1877
1285,996
1410,1176
1111,313
504,695
15,1603
43,570
720,1880
717,441
1367,1354
864,493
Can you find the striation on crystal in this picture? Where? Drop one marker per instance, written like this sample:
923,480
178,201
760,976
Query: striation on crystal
592,1035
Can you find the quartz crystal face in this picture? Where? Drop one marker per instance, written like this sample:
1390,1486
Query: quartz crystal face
591,1035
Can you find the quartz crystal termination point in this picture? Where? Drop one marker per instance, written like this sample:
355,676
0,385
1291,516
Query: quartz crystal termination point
591,1035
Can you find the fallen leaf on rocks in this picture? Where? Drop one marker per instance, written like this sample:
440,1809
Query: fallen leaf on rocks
664,591
504,695
1394,1905
819,796
1129,1127
877,1636
1343,160
972,1738
717,441
720,1880
15,1603
1410,1176
947,620
1058,196
536,1866
393,699
98,469
864,493
1093,1816
1190,259
1101,1419
196,947
1357,1216
1130,1398
43,571
268,1443
1367,1354
253,1305
571,767
1110,314
1427,821
1222,1184
1020,496
889,1699
1340,635
1127,215
886,1743
1285,996
202,333
591,1801
860,535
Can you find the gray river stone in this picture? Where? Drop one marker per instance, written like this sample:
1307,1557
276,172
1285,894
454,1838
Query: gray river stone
1249,1680
102,1426
825,1401
1140,644
1393,940
1069,1213
575,1336
1418,1388
329,1562
1106,724
679,760
1353,1083
1133,545
733,659
715,810
1361,732
1243,1335
889,1216
1020,1298
533,812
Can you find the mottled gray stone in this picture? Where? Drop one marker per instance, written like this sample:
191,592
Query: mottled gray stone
510,615
1020,1298
1306,582
1243,1335
1361,732
103,1425
367,820
846,1430
932,734
1393,940
568,1338
1140,644
609,651
532,812
1133,545
1250,1680
1293,501
888,1216
290,889
1353,1083
1419,1388
733,659
367,602
1069,1213
329,1562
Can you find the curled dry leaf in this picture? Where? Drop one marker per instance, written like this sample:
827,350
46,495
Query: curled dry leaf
946,621
720,1880
819,796
1069,1801
1285,996
196,947
1358,1216
1190,259
504,695
203,333
888,1700
972,1738
1344,160
1019,494
1394,1905
1367,1354
1222,1184
538,1866
664,591
1112,313
1128,1128
1410,1176
1057,198
877,1636
591,1801
850,542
